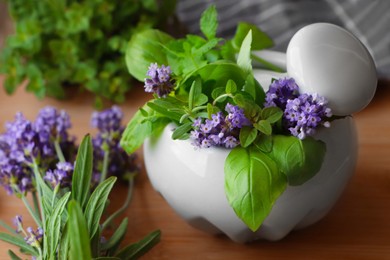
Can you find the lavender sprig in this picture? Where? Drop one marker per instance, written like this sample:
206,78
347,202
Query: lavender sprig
160,81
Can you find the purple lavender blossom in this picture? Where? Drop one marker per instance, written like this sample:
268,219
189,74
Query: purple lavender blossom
302,113
160,81
52,124
220,130
280,91
108,122
34,237
18,222
61,176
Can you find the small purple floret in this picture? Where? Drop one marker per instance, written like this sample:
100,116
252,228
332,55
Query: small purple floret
160,81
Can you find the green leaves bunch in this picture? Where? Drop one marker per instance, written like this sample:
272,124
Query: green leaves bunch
211,72
62,44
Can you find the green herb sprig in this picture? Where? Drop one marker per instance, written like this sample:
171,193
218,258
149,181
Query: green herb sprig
210,77
58,45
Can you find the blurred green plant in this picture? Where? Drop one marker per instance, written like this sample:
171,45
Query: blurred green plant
77,44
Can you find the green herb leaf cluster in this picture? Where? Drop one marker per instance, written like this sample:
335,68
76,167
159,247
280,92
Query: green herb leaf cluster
78,45
209,73
73,222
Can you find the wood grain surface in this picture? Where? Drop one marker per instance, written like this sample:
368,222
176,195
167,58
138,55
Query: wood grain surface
358,227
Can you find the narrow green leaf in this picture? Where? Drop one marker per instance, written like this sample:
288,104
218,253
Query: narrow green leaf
244,56
272,114
13,255
299,159
54,225
140,248
264,126
78,233
81,180
164,107
6,226
195,92
113,243
181,131
136,132
63,250
248,134
253,183
19,242
209,22
96,204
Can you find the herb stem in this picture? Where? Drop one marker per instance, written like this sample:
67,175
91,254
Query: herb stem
221,97
59,152
35,201
105,166
37,175
31,211
196,109
124,206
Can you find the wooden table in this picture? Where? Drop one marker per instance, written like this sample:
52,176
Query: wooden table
358,227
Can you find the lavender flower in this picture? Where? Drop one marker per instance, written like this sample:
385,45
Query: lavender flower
280,91
52,124
160,81
18,222
34,237
220,130
302,113
106,142
61,176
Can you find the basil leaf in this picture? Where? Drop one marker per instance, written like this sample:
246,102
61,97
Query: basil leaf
209,22
19,242
143,49
264,143
96,204
136,132
260,40
244,56
181,132
247,135
82,173
140,248
253,182
78,233
299,159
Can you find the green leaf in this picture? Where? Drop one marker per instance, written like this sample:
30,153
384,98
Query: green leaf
140,248
260,40
264,143
231,87
272,114
13,255
137,130
166,109
181,132
195,92
96,204
78,233
63,250
244,56
81,180
113,243
248,134
253,183
19,242
53,229
209,22
145,48
299,159
263,126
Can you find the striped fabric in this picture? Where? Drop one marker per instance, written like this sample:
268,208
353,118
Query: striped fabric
368,20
